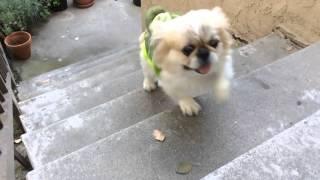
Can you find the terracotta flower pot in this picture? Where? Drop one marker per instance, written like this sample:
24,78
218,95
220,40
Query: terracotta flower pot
19,44
83,3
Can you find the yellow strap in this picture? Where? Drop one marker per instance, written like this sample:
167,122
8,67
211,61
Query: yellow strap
156,69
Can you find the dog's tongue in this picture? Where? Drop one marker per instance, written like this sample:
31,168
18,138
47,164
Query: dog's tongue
204,69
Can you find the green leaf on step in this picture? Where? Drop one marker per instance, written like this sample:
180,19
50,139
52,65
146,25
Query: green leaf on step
184,167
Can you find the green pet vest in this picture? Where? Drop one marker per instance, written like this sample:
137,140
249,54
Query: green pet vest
146,48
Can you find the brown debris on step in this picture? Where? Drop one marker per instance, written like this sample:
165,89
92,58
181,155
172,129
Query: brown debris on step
158,135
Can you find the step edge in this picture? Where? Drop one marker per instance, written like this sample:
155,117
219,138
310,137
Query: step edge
25,117
108,55
23,101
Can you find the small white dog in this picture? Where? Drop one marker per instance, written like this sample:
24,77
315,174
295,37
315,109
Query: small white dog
187,55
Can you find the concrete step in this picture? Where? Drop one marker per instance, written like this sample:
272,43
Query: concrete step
124,112
263,104
292,154
60,104
59,78
117,69
49,143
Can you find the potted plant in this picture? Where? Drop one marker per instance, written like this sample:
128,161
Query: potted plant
83,3
58,5
16,17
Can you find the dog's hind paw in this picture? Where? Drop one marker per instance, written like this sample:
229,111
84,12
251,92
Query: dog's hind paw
149,85
189,107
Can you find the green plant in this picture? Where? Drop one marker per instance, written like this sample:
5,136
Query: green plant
21,14
55,3
51,3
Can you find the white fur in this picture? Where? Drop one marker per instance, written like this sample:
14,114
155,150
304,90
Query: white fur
183,86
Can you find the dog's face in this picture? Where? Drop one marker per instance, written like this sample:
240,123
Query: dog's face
196,41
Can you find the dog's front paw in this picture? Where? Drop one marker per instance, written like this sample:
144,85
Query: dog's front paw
149,85
189,107
222,90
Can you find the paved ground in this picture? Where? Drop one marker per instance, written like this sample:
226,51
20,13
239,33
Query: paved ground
77,34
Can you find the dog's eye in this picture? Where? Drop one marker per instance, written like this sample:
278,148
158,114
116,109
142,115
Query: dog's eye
187,50
214,43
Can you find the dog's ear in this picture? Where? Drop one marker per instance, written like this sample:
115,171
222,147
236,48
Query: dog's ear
226,38
220,17
224,26
156,37
157,32
217,9
154,42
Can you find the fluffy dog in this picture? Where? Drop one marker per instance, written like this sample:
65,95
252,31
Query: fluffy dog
187,55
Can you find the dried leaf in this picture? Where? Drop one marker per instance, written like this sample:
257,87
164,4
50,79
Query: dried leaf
183,167
17,141
158,135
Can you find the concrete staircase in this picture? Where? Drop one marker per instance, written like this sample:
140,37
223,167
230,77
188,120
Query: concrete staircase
92,120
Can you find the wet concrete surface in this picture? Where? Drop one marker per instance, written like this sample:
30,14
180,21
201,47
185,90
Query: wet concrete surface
76,34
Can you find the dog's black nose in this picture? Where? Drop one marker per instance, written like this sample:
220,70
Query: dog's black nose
203,53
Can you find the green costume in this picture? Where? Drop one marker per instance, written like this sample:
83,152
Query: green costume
153,15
